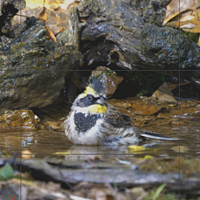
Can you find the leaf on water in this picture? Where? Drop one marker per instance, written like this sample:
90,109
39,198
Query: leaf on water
136,148
6,154
6,172
62,153
148,157
181,149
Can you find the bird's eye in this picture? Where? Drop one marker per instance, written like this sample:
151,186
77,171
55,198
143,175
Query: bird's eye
89,97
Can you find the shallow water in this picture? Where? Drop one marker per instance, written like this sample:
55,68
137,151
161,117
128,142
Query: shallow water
177,158
42,143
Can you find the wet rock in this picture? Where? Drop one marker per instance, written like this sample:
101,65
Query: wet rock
145,112
164,116
75,173
164,94
55,126
17,120
145,109
1,119
129,35
185,104
125,103
4,126
8,9
186,112
160,122
30,67
109,79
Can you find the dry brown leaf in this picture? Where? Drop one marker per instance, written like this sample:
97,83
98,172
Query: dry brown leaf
43,15
181,149
180,6
50,34
168,19
192,25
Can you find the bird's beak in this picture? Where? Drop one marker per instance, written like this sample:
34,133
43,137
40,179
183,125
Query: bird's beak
101,101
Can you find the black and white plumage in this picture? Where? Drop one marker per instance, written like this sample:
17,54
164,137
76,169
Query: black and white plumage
92,121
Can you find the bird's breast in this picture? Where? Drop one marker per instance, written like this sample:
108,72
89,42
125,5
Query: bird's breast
84,122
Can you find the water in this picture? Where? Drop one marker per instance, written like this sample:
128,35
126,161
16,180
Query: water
41,143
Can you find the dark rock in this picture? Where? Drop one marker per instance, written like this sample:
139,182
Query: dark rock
131,37
109,79
8,9
31,74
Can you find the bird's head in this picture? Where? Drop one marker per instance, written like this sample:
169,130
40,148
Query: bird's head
93,99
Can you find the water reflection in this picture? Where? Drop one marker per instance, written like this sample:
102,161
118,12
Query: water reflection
42,143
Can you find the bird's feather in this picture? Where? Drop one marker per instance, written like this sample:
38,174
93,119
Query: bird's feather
116,118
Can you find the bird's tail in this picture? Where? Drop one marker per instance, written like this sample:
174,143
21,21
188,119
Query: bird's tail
157,136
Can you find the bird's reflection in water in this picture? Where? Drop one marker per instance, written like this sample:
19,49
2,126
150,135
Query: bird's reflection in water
81,152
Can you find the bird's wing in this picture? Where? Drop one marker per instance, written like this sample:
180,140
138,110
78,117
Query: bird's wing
116,118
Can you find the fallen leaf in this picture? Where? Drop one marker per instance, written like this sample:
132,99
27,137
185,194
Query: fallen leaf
136,148
43,15
148,157
181,149
50,34
62,153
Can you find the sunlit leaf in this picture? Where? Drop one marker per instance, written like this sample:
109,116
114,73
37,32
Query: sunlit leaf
168,19
62,153
51,34
43,15
181,149
6,154
158,191
136,148
148,157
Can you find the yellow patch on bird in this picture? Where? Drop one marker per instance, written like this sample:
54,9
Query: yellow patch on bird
89,90
96,108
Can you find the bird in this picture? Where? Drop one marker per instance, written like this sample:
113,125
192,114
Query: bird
93,121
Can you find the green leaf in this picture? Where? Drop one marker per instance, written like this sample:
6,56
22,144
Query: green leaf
158,191
6,172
